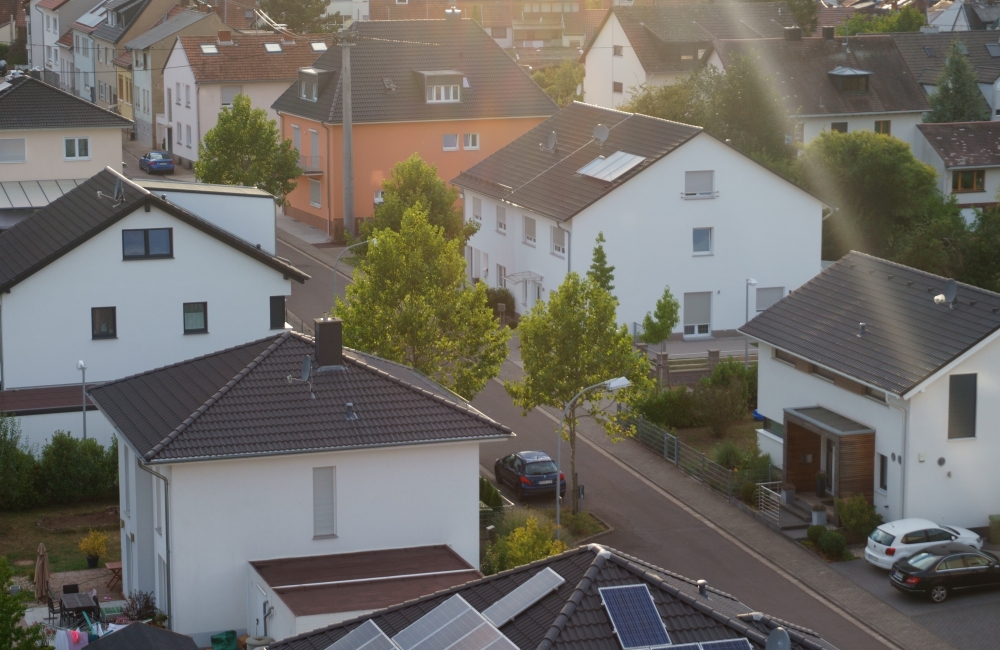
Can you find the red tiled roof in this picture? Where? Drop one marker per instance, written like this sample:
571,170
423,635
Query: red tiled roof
592,19
44,399
51,4
123,60
833,16
13,8
234,13
66,39
247,60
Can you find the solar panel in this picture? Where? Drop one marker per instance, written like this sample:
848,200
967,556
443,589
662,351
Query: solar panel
452,625
686,646
526,595
728,644
634,616
610,168
367,636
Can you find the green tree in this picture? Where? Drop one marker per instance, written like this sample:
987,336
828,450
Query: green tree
659,325
523,545
414,181
806,14
560,82
12,608
301,16
410,303
907,19
569,343
669,102
244,148
958,98
981,263
600,272
18,467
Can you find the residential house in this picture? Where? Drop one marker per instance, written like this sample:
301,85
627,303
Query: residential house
542,200
827,85
44,21
203,74
925,55
149,55
80,60
887,383
441,88
591,597
240,16
120,277
657,45
123,70
343,453
966,157
13,24
349,9
963,15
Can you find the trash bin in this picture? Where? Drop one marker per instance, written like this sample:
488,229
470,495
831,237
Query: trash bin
224,640
994,529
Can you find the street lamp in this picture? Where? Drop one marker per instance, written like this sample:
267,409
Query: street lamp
373,241
746,339
82,367
609,384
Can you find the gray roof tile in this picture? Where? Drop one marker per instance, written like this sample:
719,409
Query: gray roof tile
33,104
965,144
166,29
925,54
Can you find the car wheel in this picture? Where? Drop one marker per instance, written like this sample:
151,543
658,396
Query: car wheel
939,593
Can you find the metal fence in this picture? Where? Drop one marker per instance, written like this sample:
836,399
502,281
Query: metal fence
769,500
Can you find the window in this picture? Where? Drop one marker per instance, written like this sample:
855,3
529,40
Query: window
324,501
12,150
100,89
180,134
698,313
883,126
450,142
916,537
799,133
558,241
883,472
77,148
968,180
272,48
187,95
315,193
618,50
308,86
854,84
702,241
529,231
379,197
767,296
196,318
975,561
781,355
147,244
187,133
99,53
229,93
48,22
477,209
938,535
443,94
962,406
874,394
774,427
318,46
102,323
498,32
161,570
823,372
501,276
178,93
502,219
277,312
839,127
470,141
297,138
616,87
951,563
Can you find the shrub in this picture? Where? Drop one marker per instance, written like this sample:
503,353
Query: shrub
140,606
814,533
503,295
858,517
522,545
728,454
720,406
748,493
95,544
488,494
581,524
12,608
18,468
755,462
510,519
832,544
73,470
670,409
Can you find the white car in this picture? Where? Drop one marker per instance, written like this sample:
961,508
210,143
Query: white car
904,537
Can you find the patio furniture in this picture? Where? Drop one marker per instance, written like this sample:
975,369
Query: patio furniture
74,605
71,589
116,573
54,611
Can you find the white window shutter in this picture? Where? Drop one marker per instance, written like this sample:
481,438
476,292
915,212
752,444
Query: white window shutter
324,501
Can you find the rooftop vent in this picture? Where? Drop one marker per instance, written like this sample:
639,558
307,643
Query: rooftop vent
948,296
388,83
351,415
861,329
703,588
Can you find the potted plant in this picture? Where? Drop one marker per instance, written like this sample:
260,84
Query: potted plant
94,545
821,485
819,514
787,493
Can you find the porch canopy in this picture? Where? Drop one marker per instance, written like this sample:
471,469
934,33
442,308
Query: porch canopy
826,420
818,439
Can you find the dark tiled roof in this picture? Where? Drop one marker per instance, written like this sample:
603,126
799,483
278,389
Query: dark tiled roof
965,144
237,402
79,214
131,10
573,617
44,399
907,336
799,71
147,637
927,65
166,28
247,60
986,14
397,50
32,104
833,16
546,182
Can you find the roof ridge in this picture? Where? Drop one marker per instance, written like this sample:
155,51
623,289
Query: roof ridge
566,613
915,270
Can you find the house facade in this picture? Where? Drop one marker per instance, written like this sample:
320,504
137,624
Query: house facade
676,206
887,385
46,18
80,58
344,462
966,157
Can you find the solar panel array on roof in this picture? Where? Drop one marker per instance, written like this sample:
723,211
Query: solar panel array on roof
634,617
610,168
526,595
367,636
453,625
728,644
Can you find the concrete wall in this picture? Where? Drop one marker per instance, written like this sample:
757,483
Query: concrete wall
603,68
45,151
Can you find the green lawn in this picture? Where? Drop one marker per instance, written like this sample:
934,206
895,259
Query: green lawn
20,536
742,433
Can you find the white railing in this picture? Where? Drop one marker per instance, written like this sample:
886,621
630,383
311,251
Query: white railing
769,500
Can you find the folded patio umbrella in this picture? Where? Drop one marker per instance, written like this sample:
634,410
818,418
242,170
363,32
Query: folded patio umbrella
42,574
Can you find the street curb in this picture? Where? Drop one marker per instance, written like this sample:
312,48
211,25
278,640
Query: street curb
305,247
607,531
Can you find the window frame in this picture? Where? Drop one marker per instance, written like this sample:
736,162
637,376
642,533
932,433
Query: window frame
502,219
444,142
146,255
954,423
467,139
97,335
757,295
835,126
529,240
711,242
691,193
76,149
276,303
204,312
554,248
477,209
978,181
501,276
617,88
883,127
883,472
697,329
443,94
317,485
24,149
314,183
187,135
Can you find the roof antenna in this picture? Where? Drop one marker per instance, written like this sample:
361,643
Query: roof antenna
950,292
551,146
306,377
601,134
119,193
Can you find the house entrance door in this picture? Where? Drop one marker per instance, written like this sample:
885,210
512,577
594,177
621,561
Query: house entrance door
830,466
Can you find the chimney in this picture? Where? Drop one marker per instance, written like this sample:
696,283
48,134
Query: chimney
225,37
453,13
793,33
329,341
828,33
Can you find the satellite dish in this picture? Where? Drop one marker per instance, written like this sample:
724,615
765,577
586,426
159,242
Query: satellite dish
552,142
778,640
307,368
601,133
118,188
950,290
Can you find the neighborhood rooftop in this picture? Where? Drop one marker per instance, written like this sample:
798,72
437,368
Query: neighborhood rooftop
165,29
925,54
965,144
246,56
27,103
907,337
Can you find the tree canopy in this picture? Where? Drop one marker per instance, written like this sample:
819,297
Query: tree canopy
302,16
659,325
12,608
410,303
958,98
806,14
600,271
907,19
560,82
244,148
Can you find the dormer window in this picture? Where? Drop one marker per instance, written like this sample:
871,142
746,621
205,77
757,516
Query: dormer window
850,80
308,84
443,86
443,94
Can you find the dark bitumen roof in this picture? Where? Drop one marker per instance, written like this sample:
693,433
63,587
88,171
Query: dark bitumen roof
237,402
147,637
44,399
926,66
397,50
965,144
525,174
165,29
32,104
79,215
572,617
907,336
799,72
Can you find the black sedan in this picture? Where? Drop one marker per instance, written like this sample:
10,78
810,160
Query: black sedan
157,161
938,571
530,473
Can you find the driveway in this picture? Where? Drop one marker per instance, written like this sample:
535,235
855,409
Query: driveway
132,150
969,621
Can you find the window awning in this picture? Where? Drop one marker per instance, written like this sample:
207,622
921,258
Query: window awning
523,276
817,417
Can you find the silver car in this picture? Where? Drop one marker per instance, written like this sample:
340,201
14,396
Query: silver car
904,537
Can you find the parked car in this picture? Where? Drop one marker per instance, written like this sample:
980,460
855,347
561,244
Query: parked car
937,571
157,161
905,537
529,473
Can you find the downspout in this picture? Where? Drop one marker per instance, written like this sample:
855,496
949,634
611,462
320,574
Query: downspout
906,460
166,531
329,183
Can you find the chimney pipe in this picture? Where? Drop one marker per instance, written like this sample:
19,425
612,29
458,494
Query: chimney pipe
329,341
828,33
793,33
703,588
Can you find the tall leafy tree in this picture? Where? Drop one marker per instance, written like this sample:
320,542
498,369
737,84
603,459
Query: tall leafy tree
569,343
410,303
302,16
560,82
12,608
659,325
806,13
907,19
244,148
958,98
600,271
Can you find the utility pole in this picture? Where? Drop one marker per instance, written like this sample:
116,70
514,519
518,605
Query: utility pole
346,42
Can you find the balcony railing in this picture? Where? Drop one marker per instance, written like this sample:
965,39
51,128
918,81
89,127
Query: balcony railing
311,164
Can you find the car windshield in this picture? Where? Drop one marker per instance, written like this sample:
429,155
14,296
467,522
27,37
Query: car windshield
541,467
924,561
879,536
156,156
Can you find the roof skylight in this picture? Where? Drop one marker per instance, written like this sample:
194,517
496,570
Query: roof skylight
318,46
272,47
209,48
612,167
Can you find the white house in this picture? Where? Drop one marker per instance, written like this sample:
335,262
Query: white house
129,283
81,54
948,16
677,207
886,379
45,19
966,156
232,466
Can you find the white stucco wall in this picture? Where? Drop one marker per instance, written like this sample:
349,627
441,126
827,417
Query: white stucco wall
904,125
178,70
603,68
45,151
251,217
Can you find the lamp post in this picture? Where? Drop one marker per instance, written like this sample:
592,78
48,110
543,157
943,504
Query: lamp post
609,384
82,367
746,339
373,241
